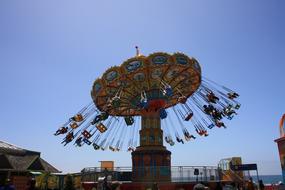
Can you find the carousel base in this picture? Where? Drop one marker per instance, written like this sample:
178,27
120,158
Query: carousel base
160,186
151,164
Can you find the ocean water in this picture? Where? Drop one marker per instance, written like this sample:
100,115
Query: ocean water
268,179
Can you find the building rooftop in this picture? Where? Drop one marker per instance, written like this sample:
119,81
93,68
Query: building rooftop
18,159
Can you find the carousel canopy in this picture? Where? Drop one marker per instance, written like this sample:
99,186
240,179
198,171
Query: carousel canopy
170,85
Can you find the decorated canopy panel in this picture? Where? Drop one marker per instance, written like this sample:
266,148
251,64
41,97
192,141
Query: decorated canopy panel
121,89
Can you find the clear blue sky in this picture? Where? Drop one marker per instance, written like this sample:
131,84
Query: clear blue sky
51,52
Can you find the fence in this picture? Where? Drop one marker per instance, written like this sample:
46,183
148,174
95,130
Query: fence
178,173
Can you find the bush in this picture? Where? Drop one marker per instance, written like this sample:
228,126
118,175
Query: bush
69,184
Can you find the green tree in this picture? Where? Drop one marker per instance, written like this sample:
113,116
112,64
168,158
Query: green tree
69,184
42,181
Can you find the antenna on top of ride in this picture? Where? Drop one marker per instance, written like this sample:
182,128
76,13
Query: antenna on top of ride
137,51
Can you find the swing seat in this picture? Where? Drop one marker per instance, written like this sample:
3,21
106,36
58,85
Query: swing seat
188,136
200,132
169,141
112,148
220,124
212,98
211,126
74,125
179,140
232,95
237,106
77,118
182,99
69,137
230,117
86,134
95,146
104,116
96,119
86,141
78,141
188,116
60,131
101,127
162,113
129,120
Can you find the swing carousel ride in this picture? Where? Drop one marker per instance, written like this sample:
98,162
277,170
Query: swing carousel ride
146,95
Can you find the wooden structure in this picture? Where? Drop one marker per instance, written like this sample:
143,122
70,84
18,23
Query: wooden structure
17,164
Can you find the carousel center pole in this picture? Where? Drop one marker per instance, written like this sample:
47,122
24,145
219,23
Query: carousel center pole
151,161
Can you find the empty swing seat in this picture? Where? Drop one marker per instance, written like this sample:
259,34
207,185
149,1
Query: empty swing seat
74,125
86,141
86,134
129,120
77,118
101,127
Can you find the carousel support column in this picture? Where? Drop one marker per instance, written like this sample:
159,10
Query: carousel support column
151,161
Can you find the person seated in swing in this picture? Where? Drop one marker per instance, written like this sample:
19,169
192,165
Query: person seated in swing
96,119
69,137
212,97
100,117
167,139
61,130
229,112
220,124
168,90
131,149
188,116
237,106
182,99
179,140
216,114
188,136
78,141
202,132
112,148
233,95
143,101
103,148
209,109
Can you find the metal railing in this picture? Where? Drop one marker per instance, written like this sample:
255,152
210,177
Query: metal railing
175,173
